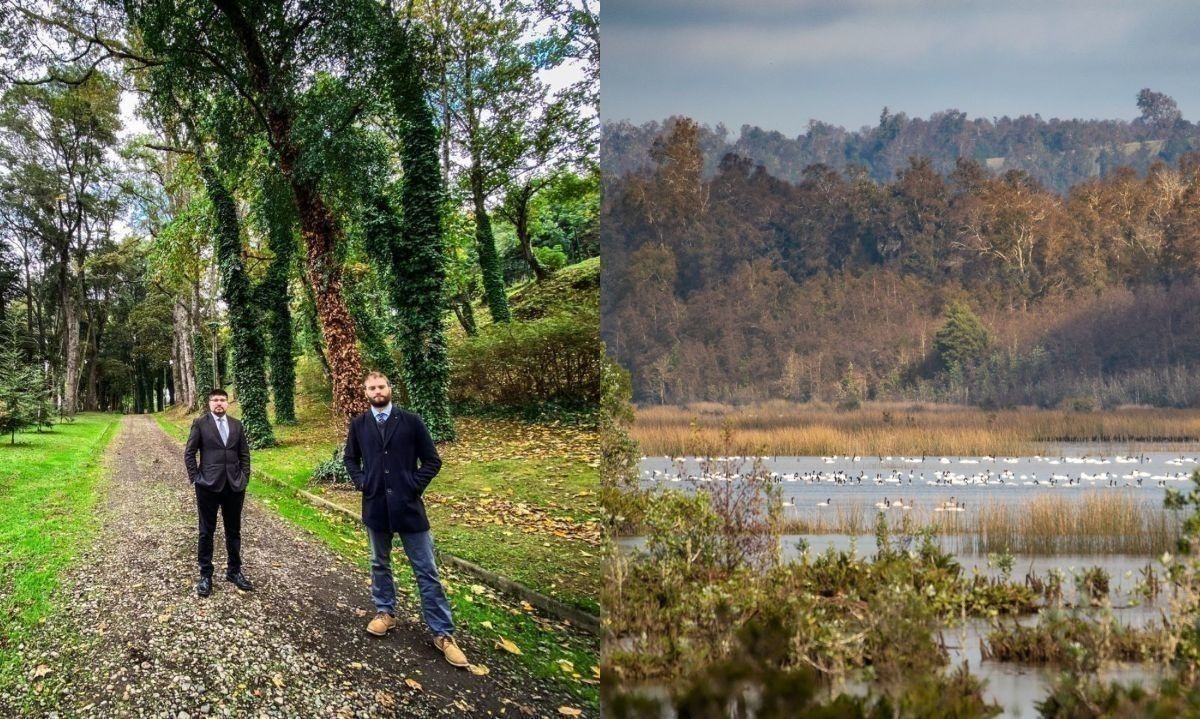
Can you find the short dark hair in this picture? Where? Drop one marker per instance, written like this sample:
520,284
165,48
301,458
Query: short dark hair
217,391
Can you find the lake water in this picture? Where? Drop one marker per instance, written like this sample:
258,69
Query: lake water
821,484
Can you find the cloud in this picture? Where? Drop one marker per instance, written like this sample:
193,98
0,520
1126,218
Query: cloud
885,39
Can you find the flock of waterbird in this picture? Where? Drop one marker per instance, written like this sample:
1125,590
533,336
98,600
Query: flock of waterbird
975,472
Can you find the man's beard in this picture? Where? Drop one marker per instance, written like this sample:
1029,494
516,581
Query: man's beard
218,412
381,402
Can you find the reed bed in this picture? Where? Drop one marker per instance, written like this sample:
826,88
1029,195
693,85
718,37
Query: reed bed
780,428
1094,524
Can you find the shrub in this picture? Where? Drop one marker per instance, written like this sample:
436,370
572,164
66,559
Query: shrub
552,258
332,470
555,359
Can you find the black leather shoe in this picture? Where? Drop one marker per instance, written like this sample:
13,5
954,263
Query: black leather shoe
204,587
239,580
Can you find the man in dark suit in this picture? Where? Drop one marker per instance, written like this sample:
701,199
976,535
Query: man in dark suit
392,459
220,481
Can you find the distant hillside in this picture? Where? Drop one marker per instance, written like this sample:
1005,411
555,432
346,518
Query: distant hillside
1057,153
735,285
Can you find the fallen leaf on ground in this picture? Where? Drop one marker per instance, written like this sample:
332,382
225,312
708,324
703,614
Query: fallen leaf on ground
478,670
508,646
412,684
570,711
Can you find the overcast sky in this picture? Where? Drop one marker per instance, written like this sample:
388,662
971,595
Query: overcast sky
779,63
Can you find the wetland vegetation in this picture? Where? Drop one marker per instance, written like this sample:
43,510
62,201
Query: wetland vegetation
891,428
708,618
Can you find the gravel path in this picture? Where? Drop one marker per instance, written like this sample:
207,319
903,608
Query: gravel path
139,643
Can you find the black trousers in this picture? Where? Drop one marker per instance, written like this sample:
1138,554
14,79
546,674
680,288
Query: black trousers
230,503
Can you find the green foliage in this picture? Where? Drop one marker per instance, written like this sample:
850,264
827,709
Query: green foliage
249,375
365,303
552,258
619,456
22,388
418,248
962,338
332,470
552,359
278,215
490,266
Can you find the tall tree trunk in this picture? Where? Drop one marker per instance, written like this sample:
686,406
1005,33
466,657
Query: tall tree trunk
321,232
273,297
521,223
157,383
418,256
185,367
248,372
71,373
325,276
489,259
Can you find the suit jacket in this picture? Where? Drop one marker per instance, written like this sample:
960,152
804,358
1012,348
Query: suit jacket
220,463
386,470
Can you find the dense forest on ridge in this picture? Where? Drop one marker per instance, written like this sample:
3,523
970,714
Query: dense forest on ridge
969,285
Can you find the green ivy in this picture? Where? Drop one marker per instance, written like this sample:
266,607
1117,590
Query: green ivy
418,267
274,297
249,374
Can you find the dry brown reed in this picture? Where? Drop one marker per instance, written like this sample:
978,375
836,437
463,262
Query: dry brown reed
782,428
1094,524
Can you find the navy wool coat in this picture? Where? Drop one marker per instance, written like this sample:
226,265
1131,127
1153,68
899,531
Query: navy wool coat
392,471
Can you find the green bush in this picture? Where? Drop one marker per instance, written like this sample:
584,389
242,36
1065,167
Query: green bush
551,360
552,258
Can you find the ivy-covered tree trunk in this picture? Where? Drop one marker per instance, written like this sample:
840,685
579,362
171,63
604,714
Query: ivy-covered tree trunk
249,375
418,252
489,259
275,300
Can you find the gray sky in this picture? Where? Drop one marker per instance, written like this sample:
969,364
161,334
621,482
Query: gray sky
779,63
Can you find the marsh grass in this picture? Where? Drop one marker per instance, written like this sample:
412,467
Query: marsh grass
1069,639
1045,525
781,428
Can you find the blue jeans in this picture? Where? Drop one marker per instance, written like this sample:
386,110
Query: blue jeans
418,547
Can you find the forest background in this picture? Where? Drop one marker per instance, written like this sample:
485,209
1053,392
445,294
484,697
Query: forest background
992,262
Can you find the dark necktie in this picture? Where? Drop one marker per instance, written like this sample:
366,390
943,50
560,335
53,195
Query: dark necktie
380,422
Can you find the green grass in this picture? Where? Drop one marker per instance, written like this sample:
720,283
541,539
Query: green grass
49,485
519,557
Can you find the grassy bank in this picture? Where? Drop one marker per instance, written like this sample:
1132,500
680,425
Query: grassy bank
473,508
782,428
49,486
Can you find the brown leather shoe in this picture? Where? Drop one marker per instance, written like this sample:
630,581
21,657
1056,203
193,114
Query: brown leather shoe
382,624
450,650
